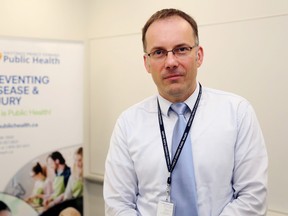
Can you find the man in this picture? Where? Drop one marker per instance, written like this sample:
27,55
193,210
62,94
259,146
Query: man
57,162
4,209
229,159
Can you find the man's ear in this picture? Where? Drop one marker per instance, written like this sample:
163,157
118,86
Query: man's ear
147,63
199,56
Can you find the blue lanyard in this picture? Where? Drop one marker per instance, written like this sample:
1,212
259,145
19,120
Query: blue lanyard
172,165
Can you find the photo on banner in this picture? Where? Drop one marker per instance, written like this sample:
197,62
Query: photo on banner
41,127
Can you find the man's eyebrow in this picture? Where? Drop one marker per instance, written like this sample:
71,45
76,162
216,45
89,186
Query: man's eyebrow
176,46
157,48
181,45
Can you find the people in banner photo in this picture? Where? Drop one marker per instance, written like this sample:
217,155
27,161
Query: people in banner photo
14,206
57,162
70,211
39,176
43,177
73,194
48,184
74,188
4,209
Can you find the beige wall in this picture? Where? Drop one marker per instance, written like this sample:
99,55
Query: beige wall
116,26
53,19
87,20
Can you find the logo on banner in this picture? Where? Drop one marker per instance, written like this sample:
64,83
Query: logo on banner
29,58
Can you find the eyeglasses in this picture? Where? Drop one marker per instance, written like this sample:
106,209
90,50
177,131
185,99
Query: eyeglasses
179,52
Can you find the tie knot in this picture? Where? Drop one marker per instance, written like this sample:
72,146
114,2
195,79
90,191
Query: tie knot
179,108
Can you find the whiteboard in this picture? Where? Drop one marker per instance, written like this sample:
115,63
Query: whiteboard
246,57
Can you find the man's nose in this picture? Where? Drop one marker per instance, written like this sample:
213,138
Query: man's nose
171,60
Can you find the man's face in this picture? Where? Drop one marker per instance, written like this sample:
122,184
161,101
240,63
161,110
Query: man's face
174,77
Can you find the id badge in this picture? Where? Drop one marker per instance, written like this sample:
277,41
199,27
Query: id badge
165,208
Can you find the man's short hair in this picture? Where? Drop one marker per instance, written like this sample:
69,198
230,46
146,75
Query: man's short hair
165,13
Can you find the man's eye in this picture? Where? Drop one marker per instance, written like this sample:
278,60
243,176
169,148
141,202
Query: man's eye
158,52
181,50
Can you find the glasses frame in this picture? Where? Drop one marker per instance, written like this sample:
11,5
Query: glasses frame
172,50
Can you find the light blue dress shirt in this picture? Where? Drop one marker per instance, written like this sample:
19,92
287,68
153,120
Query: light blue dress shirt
229,154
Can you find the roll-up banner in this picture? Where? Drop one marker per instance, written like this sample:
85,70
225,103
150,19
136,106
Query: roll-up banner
41,127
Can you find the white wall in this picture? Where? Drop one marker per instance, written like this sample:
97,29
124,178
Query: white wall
114,18
44,19
87,20
114,26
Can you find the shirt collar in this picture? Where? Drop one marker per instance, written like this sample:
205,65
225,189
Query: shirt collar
165,104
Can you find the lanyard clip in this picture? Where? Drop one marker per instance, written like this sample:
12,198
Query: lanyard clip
168,188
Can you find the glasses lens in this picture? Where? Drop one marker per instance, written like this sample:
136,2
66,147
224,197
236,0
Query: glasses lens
158,54
181,51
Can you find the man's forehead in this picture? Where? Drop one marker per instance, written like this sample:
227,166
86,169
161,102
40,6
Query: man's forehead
169,33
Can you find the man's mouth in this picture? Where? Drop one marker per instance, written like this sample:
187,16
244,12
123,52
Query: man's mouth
173,76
